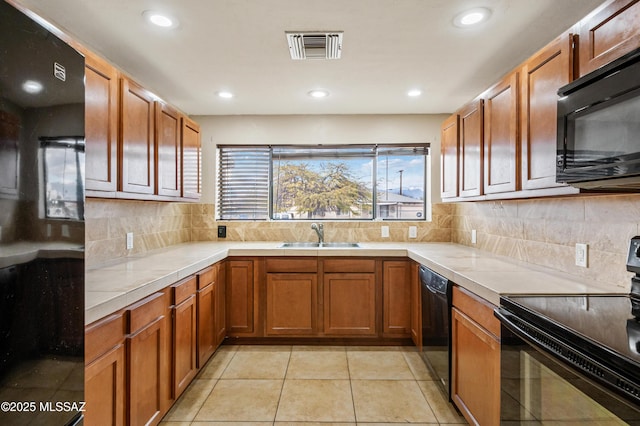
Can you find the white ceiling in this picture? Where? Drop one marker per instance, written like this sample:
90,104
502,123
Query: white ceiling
389,47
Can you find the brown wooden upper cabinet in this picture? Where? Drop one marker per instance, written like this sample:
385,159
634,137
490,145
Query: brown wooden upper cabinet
137,139
101,125
612,31
168,150
501,136
542,76
449,157
191,159
471,142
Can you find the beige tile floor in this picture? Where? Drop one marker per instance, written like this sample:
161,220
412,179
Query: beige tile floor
279,385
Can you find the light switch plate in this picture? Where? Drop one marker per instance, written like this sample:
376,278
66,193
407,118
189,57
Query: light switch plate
413,232
129,240
474,236
384,231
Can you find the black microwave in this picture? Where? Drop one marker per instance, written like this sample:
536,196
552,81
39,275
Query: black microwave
599,128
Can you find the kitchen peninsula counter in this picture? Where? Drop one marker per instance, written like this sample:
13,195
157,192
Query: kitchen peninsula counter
111,287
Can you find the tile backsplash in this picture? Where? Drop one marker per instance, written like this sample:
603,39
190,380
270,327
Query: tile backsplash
545,231
154,225
539,231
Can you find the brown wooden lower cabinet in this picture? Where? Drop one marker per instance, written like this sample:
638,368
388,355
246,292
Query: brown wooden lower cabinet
291,304
220,289
416,307
147,370
240,298
184,334
349,304
206,311
475,366
396,296
104,374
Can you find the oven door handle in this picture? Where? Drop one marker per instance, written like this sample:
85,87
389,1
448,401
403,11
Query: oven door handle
505,318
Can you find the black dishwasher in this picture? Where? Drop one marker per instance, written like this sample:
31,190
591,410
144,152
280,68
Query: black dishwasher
436,331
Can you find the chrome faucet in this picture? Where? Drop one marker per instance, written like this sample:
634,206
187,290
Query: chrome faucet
320,231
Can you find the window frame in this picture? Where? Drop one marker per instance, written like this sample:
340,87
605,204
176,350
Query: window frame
420,149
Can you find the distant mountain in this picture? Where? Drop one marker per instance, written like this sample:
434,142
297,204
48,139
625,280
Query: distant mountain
417,193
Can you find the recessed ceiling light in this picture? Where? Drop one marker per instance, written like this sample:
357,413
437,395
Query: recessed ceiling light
319,93
160,19
472,17
414,93
225,94
32,87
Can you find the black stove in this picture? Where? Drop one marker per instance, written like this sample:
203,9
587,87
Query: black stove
597,335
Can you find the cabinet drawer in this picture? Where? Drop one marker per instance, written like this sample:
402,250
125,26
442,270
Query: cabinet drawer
182,290
477,309
103,335
145,311
206,277
291,265
349,265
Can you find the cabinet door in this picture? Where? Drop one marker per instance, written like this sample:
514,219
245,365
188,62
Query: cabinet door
104,389
206,304
104,373
611,32
475,371
349,303
471,138
184,344
501,137
542,76
291,304
168,149
449,160
396,295
220,325
191,161
101,125
416,307
240,298
137,139
145,386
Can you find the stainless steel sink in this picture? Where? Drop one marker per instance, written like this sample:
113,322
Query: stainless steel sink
319,245
299,244
340,245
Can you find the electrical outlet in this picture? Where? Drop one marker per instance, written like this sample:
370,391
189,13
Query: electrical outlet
129,240
413,232
474,236
582,255
65,230
384,231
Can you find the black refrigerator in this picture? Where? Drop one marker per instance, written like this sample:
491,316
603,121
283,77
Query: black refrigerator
41,225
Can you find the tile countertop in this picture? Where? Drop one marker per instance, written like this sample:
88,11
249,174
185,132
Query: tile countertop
111,287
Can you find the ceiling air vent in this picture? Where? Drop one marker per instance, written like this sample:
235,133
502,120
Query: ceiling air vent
315,45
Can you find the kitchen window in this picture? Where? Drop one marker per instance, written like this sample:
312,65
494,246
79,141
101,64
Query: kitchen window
323,182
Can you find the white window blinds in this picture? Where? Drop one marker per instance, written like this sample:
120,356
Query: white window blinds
243,182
